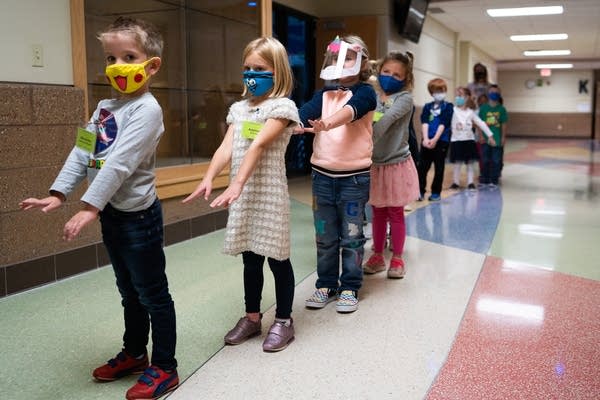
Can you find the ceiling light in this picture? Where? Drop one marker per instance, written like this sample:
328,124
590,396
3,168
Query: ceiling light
535,53
554,66
515,12
529,38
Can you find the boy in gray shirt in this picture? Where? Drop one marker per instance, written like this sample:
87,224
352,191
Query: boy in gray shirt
116,153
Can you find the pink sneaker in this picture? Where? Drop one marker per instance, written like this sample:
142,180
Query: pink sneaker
396,270
374,264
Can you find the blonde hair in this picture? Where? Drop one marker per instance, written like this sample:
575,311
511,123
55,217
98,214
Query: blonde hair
272,51
146,35
365,72
405,59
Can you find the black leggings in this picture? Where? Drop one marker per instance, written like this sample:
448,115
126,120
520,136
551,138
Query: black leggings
253,283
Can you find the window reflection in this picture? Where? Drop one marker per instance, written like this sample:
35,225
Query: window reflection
201,72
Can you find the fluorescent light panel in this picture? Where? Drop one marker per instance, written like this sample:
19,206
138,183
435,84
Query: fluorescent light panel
530,38
515,12
553,66
535,53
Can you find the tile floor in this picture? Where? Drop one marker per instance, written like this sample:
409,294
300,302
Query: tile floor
501,301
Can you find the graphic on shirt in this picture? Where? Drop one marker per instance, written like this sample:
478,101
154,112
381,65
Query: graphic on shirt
492,118
106,130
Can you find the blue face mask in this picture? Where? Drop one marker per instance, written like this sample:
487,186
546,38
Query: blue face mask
459,101
389,84
258,83
494,96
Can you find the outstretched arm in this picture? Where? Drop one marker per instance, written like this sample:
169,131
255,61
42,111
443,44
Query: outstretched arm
270,131
220,160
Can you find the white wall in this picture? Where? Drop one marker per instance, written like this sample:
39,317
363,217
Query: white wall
24,23
434,57
558,93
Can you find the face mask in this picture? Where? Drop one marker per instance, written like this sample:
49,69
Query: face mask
439,97
459,101
494,96
258,83
127,78
389,84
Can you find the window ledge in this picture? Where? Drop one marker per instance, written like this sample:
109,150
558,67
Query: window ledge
181,180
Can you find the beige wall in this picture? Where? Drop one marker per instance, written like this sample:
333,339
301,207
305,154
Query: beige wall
434,56
24,23
558,93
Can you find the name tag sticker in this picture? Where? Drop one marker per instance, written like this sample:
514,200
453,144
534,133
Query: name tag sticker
377,116
86,140
250,129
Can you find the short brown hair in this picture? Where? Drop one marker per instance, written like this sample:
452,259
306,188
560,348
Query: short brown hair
437,85
146,35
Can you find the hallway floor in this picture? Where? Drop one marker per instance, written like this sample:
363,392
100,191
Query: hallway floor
501,301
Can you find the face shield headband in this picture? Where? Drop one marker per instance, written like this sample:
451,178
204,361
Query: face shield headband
336,65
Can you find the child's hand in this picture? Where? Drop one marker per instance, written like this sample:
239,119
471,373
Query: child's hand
298,130
79,221
47,204
491,141
228,196
317,125
204,187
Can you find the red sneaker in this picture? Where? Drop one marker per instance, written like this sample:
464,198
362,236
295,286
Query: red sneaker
154,383
122,365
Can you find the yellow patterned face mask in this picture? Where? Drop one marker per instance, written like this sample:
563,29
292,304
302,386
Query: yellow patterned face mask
127,78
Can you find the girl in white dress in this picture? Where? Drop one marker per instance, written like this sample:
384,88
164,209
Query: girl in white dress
258,226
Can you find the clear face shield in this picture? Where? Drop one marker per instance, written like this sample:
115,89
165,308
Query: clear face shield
342,59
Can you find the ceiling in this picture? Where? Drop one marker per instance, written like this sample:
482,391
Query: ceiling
580,21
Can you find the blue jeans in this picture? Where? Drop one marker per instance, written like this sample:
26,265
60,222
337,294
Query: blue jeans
134,241
491,162
338,210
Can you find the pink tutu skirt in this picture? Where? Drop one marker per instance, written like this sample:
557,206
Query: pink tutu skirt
394,185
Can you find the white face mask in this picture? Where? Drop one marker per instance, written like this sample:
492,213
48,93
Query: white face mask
335,65
439,97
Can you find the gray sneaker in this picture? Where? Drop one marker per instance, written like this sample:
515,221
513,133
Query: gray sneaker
320,298
347,302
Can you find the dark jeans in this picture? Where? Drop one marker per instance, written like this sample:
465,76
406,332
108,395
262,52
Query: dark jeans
437,156
338,211
491,162
134,241
254,280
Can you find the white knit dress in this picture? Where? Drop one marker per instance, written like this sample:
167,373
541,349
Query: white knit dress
259,220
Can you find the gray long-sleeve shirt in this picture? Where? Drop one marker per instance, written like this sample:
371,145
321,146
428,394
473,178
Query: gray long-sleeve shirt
390,133
121,169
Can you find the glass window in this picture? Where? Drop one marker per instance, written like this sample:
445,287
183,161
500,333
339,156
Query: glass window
201,72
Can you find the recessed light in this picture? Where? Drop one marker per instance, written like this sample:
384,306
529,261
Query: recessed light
536,53
530,38
515,12
553,66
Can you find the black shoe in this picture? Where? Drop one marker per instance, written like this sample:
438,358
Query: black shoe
471,187
454,186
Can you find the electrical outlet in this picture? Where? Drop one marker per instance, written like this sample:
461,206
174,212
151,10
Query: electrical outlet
37,55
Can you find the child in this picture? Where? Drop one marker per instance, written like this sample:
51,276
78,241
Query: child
394,180
494,115
463,148
341,117
259,215
121,191
435,119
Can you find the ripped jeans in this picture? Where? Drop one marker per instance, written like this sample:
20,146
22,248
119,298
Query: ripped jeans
338,210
